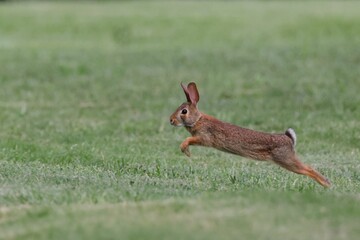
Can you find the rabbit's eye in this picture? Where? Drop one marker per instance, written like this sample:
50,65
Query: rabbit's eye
184,111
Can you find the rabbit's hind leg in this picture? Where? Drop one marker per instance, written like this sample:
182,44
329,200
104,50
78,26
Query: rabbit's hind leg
295,165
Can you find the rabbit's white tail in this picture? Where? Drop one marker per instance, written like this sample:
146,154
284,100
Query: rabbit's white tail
291,134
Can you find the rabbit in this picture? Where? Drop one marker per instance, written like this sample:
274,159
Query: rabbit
208,131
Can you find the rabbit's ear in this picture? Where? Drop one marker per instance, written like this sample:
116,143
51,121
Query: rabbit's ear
186,92
191,93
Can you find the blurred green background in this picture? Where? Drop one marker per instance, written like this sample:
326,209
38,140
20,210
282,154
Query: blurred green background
87,87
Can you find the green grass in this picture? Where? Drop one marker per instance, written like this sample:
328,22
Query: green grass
86,149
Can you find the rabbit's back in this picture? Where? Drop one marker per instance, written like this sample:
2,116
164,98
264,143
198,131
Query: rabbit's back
245,142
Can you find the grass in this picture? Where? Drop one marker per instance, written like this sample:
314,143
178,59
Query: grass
86,150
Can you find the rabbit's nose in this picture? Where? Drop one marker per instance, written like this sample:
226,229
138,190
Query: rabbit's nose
172,121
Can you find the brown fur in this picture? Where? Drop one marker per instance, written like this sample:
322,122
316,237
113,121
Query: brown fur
208,131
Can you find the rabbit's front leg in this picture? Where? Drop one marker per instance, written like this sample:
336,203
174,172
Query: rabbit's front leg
189,141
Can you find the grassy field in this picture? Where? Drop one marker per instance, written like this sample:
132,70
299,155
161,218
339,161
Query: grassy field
86,148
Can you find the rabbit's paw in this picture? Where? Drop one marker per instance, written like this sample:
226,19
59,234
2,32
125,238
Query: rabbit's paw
185,149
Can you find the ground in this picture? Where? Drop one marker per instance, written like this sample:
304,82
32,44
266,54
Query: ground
86,148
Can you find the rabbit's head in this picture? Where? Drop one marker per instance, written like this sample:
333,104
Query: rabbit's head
187,113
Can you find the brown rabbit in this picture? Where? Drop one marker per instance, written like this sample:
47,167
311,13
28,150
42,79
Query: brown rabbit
210,132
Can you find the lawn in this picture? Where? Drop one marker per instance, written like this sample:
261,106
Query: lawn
87,88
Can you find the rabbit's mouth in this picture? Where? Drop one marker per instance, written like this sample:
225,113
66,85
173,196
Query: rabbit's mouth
176,123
